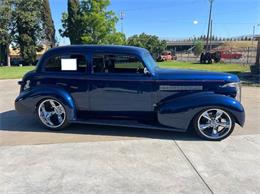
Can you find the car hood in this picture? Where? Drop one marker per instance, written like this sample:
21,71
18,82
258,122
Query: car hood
181,74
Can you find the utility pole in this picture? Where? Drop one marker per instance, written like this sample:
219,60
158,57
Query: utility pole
255,69
209,24
258,53
253,36
210,39
122,15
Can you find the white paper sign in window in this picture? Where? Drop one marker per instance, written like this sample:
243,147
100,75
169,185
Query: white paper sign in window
69,64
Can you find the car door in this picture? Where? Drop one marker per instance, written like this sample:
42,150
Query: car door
118,86
69,72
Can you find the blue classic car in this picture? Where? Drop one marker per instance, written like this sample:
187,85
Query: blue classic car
123,86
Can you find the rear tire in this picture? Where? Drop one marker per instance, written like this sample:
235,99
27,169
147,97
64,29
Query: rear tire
52,114
213,124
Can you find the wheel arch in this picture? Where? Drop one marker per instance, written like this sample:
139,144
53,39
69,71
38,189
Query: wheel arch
28,102
211,107
178,113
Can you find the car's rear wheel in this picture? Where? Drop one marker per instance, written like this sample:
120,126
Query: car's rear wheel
214,124
52,114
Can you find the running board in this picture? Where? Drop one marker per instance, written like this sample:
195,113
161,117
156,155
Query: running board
125,123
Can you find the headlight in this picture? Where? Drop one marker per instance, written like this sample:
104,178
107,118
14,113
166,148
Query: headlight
236,85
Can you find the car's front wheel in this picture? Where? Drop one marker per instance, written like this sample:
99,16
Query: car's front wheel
214,124
52,114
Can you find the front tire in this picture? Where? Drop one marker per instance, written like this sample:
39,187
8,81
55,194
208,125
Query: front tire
52,114
214,124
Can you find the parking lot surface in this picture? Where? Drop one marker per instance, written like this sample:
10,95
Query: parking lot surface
100,159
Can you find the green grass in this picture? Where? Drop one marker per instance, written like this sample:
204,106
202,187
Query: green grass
234,68
14,72
18,72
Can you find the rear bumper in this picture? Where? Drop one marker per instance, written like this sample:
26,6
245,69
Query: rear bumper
23,106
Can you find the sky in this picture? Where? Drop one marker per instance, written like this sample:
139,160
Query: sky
177,19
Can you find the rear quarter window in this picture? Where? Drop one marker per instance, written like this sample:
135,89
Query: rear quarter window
66,63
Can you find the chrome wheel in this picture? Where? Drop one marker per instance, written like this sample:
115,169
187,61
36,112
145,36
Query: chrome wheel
51,113
214,123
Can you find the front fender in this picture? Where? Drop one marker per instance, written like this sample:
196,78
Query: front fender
27,101
179,112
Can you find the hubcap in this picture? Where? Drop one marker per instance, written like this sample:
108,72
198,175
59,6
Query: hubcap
51,113
214,123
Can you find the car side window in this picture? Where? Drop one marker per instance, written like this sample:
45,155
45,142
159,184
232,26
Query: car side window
66,63
117,63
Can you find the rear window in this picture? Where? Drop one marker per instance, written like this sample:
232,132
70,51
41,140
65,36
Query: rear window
66,63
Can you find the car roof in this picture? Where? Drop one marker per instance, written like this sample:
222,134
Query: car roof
80,49
97,48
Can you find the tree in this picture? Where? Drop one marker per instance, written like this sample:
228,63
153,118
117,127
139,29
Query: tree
152,43
47,23
89,22
116,38
5,28
71,22
198,48
27,30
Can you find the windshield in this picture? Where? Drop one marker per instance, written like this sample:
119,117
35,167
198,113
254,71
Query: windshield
149,61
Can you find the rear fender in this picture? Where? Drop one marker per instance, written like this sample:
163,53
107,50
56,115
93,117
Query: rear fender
179,112
27,101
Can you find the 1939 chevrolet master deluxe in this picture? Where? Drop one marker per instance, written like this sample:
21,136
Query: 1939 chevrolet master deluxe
121,85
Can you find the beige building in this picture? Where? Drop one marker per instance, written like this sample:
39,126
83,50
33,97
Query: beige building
15,53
